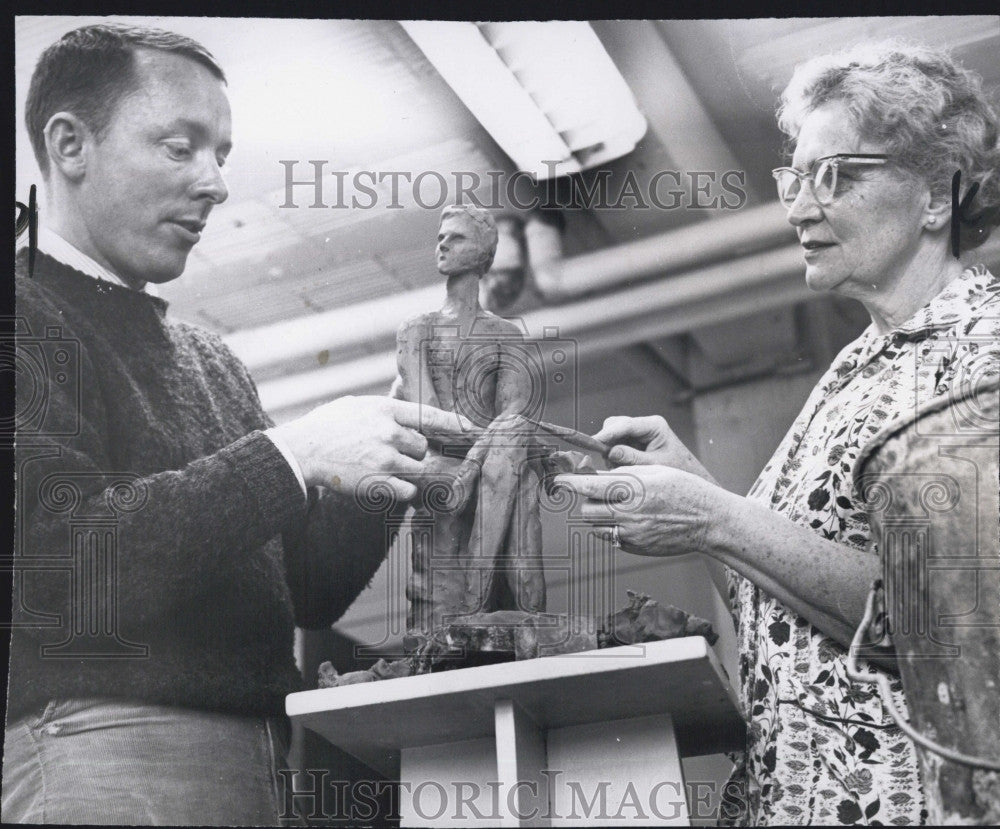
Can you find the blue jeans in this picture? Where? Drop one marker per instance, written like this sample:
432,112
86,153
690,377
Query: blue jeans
111,761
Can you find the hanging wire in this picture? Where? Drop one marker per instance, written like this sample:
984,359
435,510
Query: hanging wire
855,673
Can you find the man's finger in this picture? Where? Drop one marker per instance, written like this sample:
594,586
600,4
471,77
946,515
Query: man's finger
410,442
404,490
426,418
404,465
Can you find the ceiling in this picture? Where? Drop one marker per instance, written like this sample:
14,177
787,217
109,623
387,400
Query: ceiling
360,95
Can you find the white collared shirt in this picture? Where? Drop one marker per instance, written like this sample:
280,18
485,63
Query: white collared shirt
52,244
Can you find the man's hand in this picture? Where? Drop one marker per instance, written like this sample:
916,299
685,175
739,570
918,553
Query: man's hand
339,444
644,441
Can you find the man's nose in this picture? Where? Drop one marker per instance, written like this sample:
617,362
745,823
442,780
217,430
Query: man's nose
210,183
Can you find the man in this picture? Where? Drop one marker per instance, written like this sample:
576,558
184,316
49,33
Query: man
169,537
466,360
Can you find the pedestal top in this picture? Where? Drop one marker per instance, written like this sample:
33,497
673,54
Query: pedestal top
680,677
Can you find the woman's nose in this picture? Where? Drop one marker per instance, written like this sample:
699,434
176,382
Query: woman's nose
804,208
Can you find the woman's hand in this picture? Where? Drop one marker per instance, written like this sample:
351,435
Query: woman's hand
644,441
659,510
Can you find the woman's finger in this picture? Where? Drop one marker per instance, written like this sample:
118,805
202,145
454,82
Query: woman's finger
597,512
642,430
622,455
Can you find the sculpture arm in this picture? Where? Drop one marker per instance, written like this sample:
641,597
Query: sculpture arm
513,393
414,379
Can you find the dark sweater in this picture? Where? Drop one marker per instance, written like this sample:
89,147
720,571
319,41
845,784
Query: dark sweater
217,556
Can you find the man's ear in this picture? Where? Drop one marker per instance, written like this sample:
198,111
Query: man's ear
66,141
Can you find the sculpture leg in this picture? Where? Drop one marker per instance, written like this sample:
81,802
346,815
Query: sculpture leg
436,587
494,511
524,573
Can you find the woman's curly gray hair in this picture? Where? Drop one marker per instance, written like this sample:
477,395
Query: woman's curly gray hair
929,113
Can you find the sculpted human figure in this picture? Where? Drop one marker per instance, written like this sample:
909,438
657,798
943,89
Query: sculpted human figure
481,551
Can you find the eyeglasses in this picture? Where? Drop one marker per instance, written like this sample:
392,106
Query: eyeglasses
822,174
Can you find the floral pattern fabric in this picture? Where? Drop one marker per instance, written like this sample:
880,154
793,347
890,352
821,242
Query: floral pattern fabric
821,748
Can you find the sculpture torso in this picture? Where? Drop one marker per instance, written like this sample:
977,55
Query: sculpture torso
454,361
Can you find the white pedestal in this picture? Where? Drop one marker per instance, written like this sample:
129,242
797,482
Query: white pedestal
576,740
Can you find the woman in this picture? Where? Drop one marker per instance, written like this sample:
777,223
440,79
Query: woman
879,133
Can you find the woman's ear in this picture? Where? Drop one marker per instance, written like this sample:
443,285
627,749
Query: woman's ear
66,141
937,212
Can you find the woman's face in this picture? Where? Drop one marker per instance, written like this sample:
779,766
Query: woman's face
862,243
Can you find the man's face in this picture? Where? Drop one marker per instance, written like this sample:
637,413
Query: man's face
152,180
460,247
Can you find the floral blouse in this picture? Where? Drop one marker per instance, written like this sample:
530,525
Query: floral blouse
821,748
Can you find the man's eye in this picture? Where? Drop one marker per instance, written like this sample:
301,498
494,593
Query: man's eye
177,150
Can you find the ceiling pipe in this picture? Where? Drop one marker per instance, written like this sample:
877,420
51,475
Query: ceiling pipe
340,329
744,231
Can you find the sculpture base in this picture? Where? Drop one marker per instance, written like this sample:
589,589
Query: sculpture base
515,635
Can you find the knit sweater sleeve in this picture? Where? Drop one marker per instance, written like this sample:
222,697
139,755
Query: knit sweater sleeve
331,555
178,534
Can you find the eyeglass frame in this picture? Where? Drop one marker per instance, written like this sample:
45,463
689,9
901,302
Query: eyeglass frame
814,167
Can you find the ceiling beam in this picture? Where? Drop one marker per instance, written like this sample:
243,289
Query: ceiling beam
675,113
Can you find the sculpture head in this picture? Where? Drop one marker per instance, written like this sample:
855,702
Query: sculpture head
467,240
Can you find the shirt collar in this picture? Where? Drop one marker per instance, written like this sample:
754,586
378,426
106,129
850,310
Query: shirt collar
52,244
949,306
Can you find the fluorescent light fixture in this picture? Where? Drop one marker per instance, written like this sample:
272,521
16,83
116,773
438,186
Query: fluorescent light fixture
548,93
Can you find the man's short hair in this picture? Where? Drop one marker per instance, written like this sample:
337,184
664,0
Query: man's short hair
89,70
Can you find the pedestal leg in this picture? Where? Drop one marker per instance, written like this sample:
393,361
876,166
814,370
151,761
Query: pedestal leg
520,746
617,773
